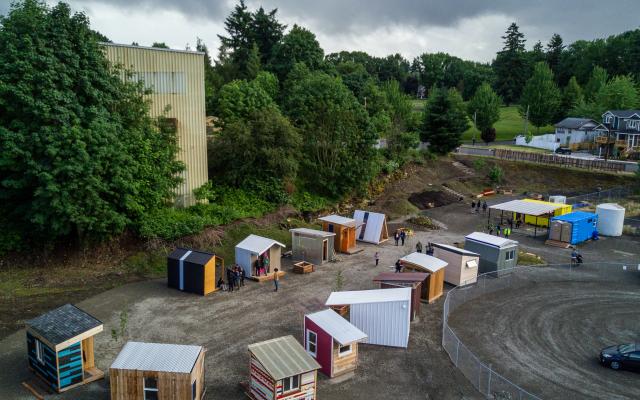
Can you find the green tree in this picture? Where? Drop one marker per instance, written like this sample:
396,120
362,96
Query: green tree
620,93
511,66
79,156
238,99
266,32
160,45
571,97
236,47
297,46
338,140
445,119
485,104
253,63
402,134
597,81
541,96
262,147
554,52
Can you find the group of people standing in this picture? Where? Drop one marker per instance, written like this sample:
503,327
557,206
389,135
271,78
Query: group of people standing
428,250
261,266
475,207
500,231
400,235
235,279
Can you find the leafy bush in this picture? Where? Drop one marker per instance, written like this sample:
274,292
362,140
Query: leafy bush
496,175
390,166
172,223
306,202
479,164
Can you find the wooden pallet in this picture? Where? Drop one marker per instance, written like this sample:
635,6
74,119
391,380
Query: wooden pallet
38,388
556,243
265,278
303,267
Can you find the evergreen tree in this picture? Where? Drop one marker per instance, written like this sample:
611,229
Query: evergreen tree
444,120
253,63
597,81
511,66
537,53
297,46
266,32
571,97
160,45
554,52
541,96
485,104
237,46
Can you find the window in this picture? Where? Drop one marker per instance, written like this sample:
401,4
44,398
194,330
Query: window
193,390
291,383
510,255
635,356
150,389
344,350
312,343
39,352
162,82
607,119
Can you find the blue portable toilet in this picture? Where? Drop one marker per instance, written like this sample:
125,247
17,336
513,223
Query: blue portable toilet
575,227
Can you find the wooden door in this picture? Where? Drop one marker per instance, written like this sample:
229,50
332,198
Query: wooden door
325,250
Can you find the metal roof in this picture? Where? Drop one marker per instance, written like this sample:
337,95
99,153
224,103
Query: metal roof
62,324
283,357
425,261
194,256
368,296
312,232
338,220
403,277
527,207
151,48
158,357
258,244
454,249
490,239
336,326
575,216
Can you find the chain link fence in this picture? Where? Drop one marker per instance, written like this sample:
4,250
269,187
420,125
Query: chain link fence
603,196
480,373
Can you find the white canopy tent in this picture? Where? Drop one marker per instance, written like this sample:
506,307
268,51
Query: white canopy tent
526,208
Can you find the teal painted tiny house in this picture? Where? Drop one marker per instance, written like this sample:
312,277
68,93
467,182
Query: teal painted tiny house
60,347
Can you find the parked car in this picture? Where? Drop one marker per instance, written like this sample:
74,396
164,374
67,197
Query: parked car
563,150
623,356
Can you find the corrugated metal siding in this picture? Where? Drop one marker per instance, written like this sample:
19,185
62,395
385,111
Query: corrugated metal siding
178,81
386,324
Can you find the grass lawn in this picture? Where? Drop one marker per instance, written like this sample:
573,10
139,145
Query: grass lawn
519,148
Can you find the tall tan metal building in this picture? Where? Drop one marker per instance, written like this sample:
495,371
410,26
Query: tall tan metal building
176,78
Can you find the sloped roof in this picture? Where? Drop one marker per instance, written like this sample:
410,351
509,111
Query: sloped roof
490,239
425,261
63,323
575,123
368,296
283,357
455,249
312,232
336,326
338,220
403,277
157,357
192,256
258,244
624,113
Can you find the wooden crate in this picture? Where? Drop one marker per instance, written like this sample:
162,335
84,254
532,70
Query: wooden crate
303,267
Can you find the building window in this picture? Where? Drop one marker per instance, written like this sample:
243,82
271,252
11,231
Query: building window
607,119
291,383
510,255
39,351
312,343
150,389
344,350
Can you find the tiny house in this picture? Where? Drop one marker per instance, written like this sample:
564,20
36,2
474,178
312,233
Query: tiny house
281,369
258,255
462,265
60,347
194,271
417,281
332,341
371,227
496,253
383,314
434,286
312,245
573,228
157,371
345,230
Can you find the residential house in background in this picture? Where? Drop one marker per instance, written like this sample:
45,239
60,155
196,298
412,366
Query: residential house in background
571,131
176,81
622,133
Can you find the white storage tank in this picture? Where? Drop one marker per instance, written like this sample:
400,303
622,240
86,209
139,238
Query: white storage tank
558,199
610,219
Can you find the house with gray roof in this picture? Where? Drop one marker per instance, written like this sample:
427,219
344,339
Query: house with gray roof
571,131
622,134
60,347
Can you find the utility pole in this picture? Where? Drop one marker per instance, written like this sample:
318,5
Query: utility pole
526,122
475,127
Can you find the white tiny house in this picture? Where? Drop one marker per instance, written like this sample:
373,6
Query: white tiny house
462,265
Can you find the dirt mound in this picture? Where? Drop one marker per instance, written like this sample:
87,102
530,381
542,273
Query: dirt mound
431,199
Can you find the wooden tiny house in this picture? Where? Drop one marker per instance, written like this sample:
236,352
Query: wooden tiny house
414,280
60,347
345,230
281,369
435,267
194,271
259,256
462,265
332,341
154,371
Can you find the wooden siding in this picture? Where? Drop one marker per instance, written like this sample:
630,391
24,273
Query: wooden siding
345,238
435,283
307,388
49,370
261,385
187,106
129,384
344,364
456,271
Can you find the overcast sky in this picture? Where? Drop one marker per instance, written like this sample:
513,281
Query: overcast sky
469,29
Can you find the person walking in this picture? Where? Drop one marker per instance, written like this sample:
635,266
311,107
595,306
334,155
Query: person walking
484,207
377,258
398,266
507,232
276,279
396,237
429,249
473,205
403,236
419,247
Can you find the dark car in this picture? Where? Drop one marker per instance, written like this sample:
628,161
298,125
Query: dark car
563,150
625,356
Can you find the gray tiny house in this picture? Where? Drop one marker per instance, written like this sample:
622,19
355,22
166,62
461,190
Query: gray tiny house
496,253
316,247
